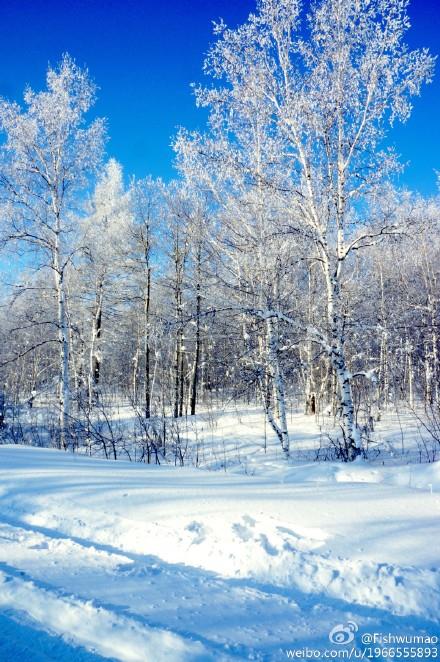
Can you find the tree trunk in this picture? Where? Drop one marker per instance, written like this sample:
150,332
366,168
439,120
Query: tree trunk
63,338
177,372
383,381
351,447
95,346
147,345
195,374
280,425
410,372
350,429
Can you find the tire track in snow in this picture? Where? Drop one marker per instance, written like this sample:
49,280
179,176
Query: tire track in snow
109,634
269,554
97,567
20,640
137,580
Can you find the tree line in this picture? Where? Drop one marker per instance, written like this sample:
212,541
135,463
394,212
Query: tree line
282,264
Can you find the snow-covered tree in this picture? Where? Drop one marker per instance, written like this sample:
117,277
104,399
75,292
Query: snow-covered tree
105,233
47,156
328,84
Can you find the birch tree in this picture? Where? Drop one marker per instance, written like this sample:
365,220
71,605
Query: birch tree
47,155
146,201
331,83
105,232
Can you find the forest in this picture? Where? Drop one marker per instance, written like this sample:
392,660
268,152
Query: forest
284,267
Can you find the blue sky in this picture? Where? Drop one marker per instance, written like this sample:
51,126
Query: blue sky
144,55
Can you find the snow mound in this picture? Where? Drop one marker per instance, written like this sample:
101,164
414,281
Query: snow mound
417,476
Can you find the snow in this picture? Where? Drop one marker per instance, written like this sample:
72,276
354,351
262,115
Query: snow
94,626
135,562
19,640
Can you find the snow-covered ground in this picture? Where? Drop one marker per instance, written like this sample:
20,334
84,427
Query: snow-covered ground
157,563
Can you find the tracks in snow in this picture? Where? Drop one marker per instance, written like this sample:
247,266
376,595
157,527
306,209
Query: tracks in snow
64,583
129,606
96,628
